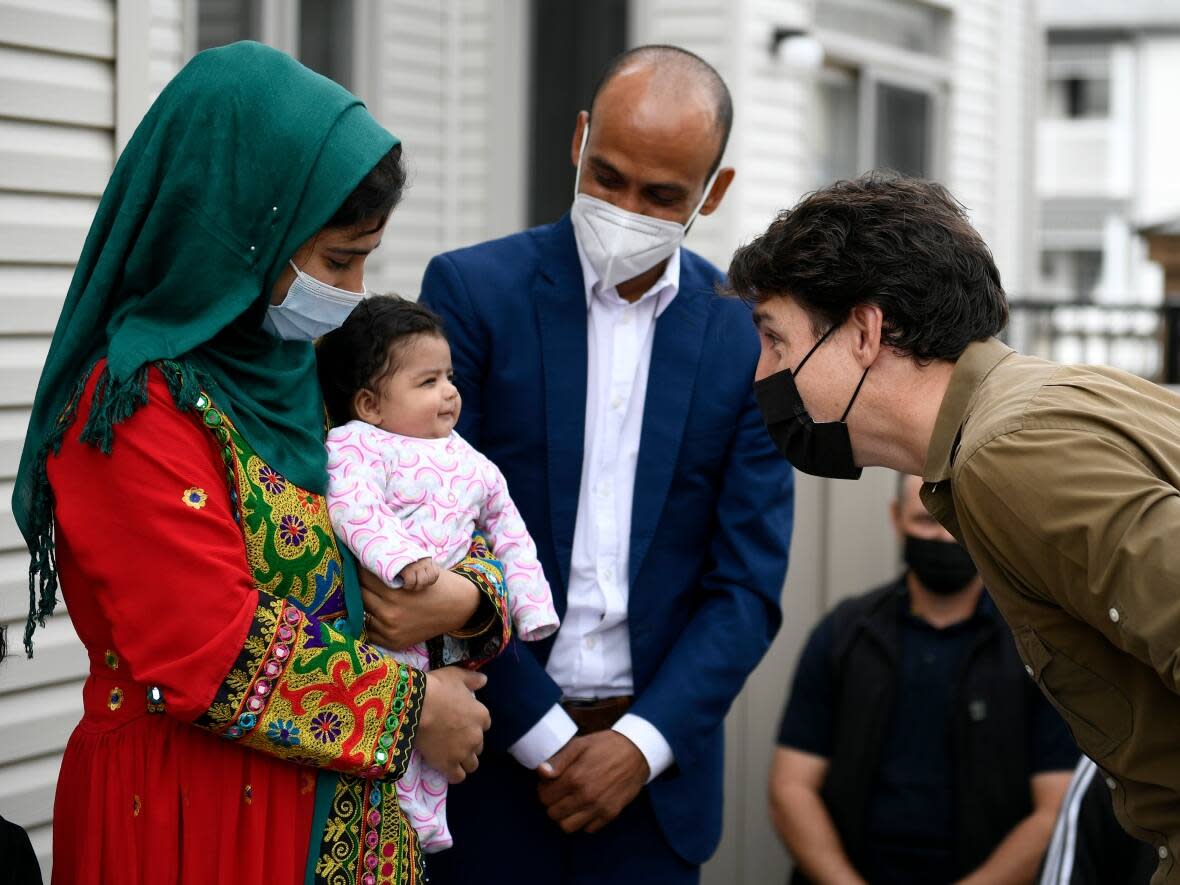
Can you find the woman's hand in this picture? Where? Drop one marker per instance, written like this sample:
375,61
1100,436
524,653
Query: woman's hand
450,730
399,618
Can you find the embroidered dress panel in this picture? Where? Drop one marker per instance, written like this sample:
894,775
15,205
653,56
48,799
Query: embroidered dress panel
301,689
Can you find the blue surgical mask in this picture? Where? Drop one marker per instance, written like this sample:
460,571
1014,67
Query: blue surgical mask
311,309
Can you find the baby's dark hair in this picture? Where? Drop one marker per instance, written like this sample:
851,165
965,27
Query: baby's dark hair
367,348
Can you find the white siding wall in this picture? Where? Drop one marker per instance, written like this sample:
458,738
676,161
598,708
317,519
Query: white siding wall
991,125
426,70
57,115
57,148
167,46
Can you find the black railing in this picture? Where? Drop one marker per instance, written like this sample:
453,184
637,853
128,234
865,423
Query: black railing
1139,338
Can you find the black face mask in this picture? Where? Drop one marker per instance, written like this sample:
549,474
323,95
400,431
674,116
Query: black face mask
943,567
823,449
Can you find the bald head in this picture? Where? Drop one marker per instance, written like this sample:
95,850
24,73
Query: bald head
674,79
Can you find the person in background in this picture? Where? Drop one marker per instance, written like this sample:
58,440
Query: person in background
610,384
914,749
1088,845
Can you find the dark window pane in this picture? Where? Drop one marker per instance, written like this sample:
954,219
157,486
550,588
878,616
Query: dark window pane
837,138
325,38
572,42
226,21
903,130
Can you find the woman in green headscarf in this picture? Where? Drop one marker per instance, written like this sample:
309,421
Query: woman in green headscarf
237,727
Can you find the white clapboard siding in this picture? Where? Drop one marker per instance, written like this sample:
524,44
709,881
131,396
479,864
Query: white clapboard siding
427,79
57,148
166,42
973,141
57,112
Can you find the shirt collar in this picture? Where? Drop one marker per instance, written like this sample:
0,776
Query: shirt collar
973,366
663,289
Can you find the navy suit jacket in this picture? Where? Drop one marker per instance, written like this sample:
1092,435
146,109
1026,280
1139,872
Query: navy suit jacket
713,500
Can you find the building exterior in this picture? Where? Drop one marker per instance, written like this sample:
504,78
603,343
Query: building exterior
483,94
1107,137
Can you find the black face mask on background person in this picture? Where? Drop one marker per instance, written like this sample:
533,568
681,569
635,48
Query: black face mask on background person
823,449
943,567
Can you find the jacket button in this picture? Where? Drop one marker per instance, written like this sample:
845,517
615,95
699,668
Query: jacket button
1028,669
1112,783
1163,853
1114,615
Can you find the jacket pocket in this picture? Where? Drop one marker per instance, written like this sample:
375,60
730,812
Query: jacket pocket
1098,714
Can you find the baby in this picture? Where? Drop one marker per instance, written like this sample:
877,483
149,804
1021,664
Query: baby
406,493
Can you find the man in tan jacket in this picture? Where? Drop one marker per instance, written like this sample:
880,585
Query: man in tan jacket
877,306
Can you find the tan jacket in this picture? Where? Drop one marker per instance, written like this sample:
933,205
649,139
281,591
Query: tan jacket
1063,482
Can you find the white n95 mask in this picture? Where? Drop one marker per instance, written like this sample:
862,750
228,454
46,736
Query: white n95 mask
311,309
620,245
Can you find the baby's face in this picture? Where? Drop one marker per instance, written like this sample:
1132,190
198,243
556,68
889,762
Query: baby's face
420,398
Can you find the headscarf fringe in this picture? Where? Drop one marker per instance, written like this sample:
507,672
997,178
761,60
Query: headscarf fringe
114,401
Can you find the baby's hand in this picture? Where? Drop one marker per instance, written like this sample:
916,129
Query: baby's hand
419,575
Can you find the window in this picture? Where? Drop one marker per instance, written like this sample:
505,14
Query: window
227,21
1077,79
317,32
571,45
904,130
1072,274
870,120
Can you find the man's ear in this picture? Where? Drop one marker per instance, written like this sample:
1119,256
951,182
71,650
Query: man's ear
866,322
895,518
366,406
576,145
720,185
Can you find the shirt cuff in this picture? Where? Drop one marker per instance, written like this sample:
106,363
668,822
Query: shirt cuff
650,742
552,732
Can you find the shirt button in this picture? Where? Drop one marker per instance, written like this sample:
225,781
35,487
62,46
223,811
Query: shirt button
1028,669
589,642
1111,783
1114,615
616,403
1163,852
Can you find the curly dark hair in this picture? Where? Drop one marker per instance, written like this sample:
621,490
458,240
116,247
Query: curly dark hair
902,244
367,348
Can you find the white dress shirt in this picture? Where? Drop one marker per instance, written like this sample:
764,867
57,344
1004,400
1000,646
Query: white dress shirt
591,657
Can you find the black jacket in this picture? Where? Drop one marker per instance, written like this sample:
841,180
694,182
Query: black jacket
989,730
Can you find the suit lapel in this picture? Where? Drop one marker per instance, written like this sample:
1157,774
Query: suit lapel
560,299
675,358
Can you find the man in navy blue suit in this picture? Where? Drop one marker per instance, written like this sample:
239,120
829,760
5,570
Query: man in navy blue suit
612,386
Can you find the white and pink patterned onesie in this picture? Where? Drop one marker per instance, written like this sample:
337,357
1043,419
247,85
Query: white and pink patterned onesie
396,499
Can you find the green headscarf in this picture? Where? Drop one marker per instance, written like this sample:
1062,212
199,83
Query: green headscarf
243,157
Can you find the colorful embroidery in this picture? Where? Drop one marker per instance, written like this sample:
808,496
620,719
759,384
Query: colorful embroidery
116,699
289,540
195,498
112,659
325,727
364,842
309,698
